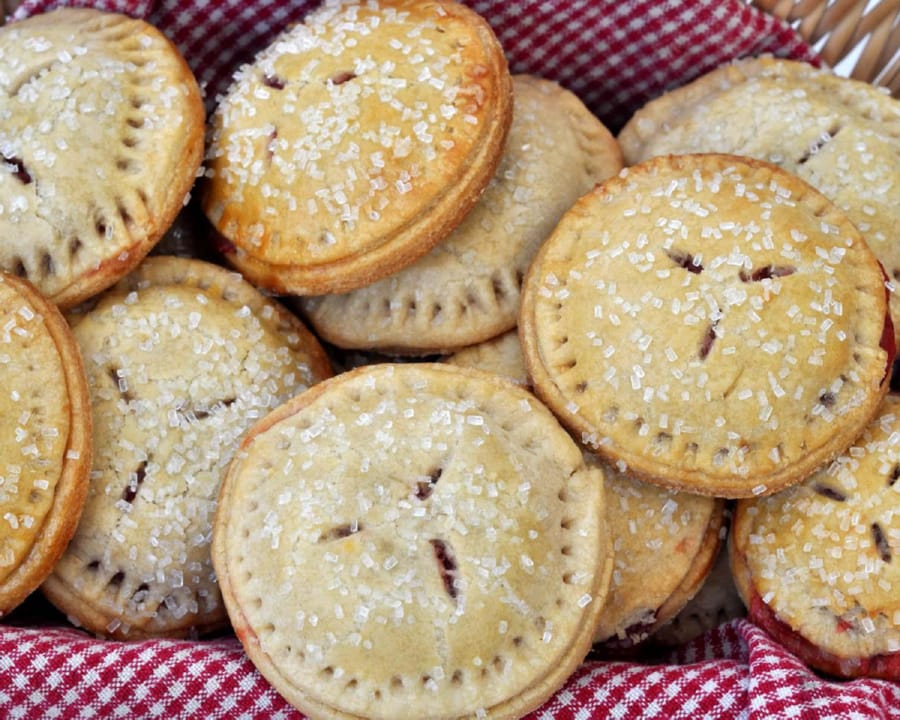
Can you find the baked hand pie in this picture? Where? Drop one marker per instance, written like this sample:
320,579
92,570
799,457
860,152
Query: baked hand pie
356,142
817,565
413,540
709,323
101,140
45,438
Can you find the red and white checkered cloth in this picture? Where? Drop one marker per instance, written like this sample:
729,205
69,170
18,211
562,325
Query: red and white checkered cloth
735,671
615,54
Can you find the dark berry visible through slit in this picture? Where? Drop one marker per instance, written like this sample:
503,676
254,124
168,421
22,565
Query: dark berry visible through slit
881,543
273,81
134,483
340,531
19,171
685,260
424,488
342,77
827,399
708,340
123,390
446,566
830,493
767,272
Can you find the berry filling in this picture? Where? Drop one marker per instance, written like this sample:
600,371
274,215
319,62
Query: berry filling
885,666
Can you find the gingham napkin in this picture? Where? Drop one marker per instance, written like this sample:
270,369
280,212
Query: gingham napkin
615,54
734,671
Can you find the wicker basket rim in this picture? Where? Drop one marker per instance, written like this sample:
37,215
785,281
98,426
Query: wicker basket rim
863,34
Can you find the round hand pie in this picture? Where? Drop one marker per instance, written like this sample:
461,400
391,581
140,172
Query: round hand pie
45,438
356,142
711,322
409,541
182,357
818,565
101,139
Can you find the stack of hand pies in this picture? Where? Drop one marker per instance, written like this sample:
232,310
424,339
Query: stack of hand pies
519,382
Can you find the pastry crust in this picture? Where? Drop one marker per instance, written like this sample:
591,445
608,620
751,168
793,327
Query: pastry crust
665,543
820,560
415,540
501,355
711,323
716,602
101,141
467,289
668,536
356,142
840,135
45,444
182,357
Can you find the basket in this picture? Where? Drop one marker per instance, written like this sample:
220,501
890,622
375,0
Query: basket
861,33
51,670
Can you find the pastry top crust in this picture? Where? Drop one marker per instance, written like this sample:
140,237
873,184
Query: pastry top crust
840,135
501,355
711,322
825,555
467,289
100,144
45,440
455,540
658,537
182,357
356,142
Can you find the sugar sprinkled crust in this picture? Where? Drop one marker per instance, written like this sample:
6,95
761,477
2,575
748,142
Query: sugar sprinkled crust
823,556
45,438
840,135
467,289
413,540
657,533
356,142
664,545
501,355
711,322
182,357
101,141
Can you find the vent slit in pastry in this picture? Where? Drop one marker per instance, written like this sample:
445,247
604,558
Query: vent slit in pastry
18,169
766,272
685,260
134,483
339,532
881,543
424,488
447,567
115,374
274,82
202,413
708,340
830,493
47,266
820,143
342,77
